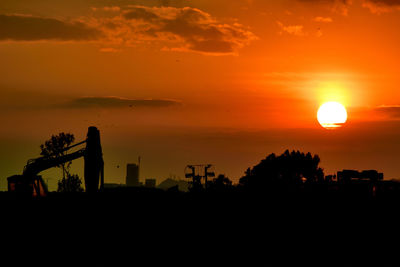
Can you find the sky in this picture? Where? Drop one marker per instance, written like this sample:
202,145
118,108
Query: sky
197,81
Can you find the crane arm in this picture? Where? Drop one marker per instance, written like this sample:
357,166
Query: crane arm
40,164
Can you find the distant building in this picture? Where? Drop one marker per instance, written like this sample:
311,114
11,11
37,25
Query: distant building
169,183
132,175
351,175
330,178
150,183
113,185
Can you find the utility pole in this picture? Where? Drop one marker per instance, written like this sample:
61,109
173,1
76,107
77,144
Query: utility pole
197,172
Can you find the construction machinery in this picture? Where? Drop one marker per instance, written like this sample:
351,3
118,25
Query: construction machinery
30,182
197,173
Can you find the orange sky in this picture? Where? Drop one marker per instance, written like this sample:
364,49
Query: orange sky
228,81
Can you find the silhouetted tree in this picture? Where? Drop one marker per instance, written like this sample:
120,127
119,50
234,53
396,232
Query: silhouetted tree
71,184
221,183
55,147
195,185
290,168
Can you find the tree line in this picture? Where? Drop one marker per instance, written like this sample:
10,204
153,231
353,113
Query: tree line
290,169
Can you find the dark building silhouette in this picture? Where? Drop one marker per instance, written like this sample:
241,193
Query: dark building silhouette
171,183
330,178
150,183
132,175
113,185
352,175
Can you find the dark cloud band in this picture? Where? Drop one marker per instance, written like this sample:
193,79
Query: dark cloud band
116,102
196,29
177,29
391,112
28,28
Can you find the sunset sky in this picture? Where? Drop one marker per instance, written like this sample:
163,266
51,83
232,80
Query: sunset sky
182,82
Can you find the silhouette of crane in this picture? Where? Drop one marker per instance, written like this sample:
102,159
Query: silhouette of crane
31,182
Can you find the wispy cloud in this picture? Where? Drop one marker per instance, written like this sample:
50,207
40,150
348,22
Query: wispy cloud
296,30
109,50
388,111
342,6
381,6
13,100
117,102
323,19
337,6
376,113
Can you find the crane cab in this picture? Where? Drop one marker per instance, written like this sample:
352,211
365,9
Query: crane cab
33,186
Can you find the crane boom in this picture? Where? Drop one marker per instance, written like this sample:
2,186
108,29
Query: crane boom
38,165
32,183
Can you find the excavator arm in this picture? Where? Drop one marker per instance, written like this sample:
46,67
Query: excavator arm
40,164
30,181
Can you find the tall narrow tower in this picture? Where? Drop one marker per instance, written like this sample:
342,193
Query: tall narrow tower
132,174
94,164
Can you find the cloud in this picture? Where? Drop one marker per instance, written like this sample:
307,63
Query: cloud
388,112
337,6
180,29
29,28
184,29
107,8
381,6
296,30
27,100
117,102
109,50
323,19
376,113
375,6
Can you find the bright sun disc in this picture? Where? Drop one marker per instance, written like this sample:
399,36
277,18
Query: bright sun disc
332,115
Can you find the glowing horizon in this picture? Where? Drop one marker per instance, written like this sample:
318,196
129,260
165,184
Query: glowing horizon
200,81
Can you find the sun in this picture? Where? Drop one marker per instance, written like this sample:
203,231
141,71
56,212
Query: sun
332,115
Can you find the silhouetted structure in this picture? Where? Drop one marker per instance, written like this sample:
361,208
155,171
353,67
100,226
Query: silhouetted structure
113,185
198,172
169,183
351,175
94,164
34,186
132,175
330,178
150,183
31,182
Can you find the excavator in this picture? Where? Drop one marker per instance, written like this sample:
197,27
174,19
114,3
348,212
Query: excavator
31,183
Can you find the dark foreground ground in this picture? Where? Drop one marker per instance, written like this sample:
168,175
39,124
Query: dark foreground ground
128,226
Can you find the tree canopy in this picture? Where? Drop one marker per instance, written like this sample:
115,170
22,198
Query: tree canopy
55,147
72,183
290,168
221,183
